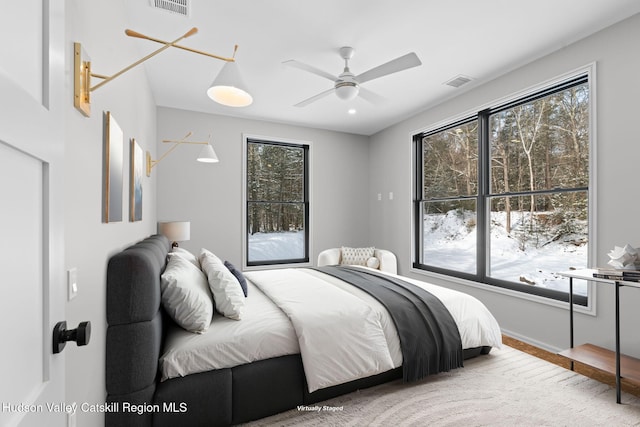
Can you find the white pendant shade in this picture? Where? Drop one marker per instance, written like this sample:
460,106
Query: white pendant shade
207,155
229,88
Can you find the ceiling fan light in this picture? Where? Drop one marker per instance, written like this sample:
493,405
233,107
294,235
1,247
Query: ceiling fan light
228,88
347,92
207,155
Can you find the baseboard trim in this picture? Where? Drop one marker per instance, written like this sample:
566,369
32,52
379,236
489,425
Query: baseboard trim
533,342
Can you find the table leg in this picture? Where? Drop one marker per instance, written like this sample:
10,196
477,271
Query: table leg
618,342
571,316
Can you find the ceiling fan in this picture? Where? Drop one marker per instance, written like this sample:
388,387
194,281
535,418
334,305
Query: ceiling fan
347,85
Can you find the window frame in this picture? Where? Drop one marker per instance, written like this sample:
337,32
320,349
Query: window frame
280,263
482,114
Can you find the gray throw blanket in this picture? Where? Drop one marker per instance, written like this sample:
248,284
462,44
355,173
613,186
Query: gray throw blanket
429,336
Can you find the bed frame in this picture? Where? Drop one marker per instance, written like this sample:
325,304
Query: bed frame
135,334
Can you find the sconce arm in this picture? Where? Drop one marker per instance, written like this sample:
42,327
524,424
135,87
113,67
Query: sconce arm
151,163
167,45
132,33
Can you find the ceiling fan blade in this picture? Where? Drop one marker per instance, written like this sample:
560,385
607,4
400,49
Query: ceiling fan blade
314,98
369,96
402,63
310,68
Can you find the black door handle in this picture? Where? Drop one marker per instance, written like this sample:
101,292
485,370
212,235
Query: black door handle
81,335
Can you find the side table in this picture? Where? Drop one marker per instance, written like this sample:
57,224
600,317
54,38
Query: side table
612,362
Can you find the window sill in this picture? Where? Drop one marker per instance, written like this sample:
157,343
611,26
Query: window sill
590,309
275,266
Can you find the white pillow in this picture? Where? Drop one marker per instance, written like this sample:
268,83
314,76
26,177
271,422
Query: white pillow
183,253
186,296
355,256
227,292
373,262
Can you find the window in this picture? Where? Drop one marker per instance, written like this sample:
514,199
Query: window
277,202
503,197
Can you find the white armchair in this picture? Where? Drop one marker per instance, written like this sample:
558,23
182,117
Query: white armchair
387,260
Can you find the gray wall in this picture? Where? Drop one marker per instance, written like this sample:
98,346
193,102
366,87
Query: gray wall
617,93
99,26
210,195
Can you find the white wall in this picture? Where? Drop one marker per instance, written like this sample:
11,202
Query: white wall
99,26
617,55
210,195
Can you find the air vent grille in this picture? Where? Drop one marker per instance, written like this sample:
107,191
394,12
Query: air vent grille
179,7
458,81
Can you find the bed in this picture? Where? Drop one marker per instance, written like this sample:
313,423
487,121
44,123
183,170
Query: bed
159,374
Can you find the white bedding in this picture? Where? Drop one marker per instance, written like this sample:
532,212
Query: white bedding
265,331
341,336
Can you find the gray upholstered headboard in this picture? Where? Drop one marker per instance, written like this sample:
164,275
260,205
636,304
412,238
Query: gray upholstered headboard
134,331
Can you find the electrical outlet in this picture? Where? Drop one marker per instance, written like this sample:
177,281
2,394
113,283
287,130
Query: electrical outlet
72,283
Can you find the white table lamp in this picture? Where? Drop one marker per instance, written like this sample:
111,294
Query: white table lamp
176,231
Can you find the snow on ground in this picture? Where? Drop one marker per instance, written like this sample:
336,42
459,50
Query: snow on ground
280,245
451,243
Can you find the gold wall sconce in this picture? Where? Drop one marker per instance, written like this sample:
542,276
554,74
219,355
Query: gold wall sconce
207,154
228,88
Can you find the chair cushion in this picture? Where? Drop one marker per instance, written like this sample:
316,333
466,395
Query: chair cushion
355,256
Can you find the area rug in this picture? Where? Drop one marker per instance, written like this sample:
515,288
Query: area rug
505,388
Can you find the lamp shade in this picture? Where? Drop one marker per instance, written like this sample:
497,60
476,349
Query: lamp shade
176,231
207,155
229,88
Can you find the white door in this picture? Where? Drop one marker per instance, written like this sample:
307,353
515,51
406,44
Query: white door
32,82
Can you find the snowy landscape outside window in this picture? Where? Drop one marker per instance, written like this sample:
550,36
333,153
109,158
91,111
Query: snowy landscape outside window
502,197
277,203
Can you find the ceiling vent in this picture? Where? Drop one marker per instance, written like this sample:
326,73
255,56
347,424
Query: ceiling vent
458,81
179,7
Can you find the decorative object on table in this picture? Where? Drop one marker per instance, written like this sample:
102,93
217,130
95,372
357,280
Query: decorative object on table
624,265
624,258
227,88
207,155
112,173
176,231
135,184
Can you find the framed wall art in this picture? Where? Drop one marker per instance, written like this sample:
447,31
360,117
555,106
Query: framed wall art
113,170
135,179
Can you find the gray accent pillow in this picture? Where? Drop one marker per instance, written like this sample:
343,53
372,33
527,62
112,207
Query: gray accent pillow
239,276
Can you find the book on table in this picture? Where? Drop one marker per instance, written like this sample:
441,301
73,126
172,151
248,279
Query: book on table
617,274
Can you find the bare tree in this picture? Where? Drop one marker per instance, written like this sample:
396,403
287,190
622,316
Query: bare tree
529,123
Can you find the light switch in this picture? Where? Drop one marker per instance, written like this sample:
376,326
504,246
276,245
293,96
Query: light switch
72,283
390,195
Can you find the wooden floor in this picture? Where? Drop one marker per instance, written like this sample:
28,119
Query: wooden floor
631,388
